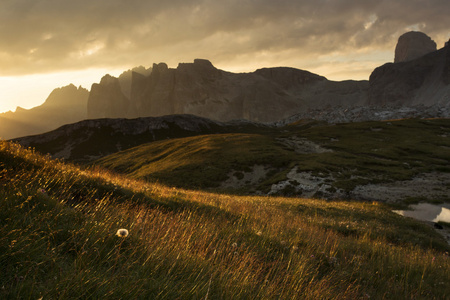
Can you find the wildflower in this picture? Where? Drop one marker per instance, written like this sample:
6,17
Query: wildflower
42,192
234,245
259,233
122,233
295,248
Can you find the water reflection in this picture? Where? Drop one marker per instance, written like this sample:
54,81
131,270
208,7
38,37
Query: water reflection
427,212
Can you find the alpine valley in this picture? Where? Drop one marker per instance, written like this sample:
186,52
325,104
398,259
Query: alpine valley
198,183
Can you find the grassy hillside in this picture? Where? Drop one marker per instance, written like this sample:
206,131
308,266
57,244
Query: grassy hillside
58,226
343,155
199,162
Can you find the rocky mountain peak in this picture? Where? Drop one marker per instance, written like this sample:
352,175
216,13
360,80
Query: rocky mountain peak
64,96
412,45
159,68
203,63
108,80
106,99
289,77
64,105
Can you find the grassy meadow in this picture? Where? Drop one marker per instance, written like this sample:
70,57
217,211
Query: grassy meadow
58,240
358,154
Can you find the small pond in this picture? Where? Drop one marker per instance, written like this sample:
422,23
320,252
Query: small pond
427,212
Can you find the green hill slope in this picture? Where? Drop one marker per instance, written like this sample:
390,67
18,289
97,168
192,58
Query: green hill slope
310,160
201,161
58,240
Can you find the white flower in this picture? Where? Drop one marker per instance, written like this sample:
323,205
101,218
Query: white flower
122,233
234,245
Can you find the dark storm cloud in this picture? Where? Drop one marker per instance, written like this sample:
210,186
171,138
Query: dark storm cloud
51,35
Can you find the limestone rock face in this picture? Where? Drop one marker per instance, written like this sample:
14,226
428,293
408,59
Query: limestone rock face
125,79
201,89
106,99
422,81
412,45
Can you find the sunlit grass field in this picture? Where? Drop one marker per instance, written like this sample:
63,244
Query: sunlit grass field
58,226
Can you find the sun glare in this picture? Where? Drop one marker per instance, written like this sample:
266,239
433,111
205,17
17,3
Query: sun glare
32,90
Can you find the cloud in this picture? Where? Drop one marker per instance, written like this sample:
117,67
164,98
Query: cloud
55,35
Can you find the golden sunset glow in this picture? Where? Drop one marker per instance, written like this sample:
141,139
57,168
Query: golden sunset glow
45,46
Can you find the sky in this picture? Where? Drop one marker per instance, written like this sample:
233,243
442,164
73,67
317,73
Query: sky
46,44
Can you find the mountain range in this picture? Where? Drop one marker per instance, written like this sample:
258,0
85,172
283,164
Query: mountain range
63,106
414,86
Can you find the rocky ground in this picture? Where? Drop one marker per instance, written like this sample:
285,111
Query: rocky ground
372,113
432,186
423,187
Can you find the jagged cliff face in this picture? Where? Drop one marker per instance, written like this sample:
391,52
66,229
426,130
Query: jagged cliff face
412,45
199,88
420,77
395,90
422,81
111,102
64,105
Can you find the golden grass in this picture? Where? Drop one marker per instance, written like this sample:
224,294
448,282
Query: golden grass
58,226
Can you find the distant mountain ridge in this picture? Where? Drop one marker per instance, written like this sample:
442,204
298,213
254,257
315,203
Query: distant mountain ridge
198,88
417,87
63,106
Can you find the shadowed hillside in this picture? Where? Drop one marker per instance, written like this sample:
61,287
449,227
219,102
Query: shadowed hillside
88,140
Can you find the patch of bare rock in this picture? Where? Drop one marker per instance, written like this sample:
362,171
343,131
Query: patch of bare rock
305,184
429,186
241,179
433,186
302,145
